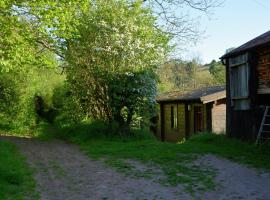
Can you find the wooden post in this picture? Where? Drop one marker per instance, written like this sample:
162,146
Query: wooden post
209,121
228,100
187,122
162,122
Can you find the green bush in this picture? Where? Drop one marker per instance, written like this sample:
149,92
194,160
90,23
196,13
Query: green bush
18,92
68,111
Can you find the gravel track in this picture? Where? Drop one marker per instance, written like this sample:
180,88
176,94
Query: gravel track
63,172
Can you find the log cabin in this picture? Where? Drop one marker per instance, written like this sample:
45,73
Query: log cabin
182,114
248,86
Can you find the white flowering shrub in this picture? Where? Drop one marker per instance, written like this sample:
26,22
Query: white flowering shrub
111,65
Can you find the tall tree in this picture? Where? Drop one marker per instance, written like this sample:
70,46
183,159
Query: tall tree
55,21
218,71
111,65
183,76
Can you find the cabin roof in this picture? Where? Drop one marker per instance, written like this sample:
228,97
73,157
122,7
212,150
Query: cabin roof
204,95
256,42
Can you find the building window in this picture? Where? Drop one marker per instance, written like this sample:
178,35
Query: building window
173,117
239,82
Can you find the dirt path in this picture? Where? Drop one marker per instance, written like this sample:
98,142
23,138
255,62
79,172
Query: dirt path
65,173
235,181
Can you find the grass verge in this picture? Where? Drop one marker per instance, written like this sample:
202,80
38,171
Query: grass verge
16,181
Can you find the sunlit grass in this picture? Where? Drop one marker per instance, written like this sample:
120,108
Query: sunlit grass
16,181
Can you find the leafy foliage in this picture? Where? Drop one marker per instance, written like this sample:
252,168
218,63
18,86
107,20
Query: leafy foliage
18,92
217,69
109,49
111,65
25,66
186,75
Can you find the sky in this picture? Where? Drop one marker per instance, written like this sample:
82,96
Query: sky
231,25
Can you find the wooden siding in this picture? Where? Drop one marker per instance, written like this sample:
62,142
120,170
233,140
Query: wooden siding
182,131
191,117
185,117
174,134
181,121
243,124
239,80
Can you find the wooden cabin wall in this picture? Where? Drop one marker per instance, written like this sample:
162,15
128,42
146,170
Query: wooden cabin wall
171,134
261,61
191,117
185,117
181,121
243,124
263,100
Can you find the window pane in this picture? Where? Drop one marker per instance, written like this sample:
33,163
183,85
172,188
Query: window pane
173,116
239,81
239,76
242,104
172,121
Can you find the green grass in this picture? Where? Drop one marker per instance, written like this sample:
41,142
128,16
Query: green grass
175,160
16,181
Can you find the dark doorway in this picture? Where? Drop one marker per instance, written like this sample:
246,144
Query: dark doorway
198,119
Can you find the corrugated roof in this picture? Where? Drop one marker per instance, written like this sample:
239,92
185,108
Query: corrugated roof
206,95
258,41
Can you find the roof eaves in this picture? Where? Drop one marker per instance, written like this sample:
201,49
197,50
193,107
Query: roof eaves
257,42
213,97
178,100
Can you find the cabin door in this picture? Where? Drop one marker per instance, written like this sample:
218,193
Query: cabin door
198,119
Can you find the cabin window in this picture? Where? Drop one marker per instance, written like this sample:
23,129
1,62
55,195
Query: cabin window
242,104
173,117
239,78
239,81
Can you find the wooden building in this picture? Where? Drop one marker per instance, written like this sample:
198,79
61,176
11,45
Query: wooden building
183,114
248,86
